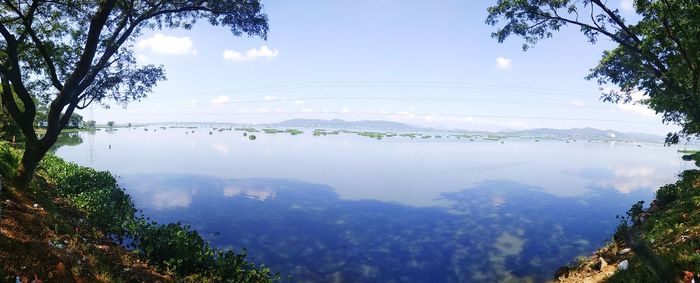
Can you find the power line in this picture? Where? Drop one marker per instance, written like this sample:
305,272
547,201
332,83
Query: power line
402,115
395,84
435,99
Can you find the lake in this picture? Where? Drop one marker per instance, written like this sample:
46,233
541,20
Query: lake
347,208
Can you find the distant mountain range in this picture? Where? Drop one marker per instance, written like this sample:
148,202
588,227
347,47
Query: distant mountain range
348,125
577,133
584,133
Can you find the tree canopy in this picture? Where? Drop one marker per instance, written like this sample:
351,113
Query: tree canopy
657,56
71,53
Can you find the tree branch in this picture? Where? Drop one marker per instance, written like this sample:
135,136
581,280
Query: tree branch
93,39
27,22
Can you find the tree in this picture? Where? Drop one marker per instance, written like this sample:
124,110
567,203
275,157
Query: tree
75,121
110,124
656,56
90,124
71,53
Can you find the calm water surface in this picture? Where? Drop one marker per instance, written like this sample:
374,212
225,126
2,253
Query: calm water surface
353,209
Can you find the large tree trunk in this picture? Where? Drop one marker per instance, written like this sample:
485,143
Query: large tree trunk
33,153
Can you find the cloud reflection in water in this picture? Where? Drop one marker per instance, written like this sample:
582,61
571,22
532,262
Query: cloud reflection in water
497,230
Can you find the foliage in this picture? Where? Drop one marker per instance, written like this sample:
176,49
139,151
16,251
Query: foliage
171,248
632,217
667,194
8,128
672,227
373,135
90,124
9,157
655,57
177,249
93,192
75,121
249,130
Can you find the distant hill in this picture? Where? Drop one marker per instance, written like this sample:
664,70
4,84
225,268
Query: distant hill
585,133
349,125
374,125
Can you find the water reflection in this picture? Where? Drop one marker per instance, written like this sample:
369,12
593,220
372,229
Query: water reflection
496,230
67,139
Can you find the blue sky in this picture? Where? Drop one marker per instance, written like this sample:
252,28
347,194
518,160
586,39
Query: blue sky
407,61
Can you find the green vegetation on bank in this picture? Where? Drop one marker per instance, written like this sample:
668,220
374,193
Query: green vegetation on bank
292,132
670,228
322,132
173,249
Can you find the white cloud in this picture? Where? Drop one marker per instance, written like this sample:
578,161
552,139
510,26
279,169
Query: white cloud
636,109
232,191
627,6
264,51
503,63
232,55
576,102
298,102
221,99
636,105
251,54
269,98
307,110
167,45
631,178
171,199
143,59
344,110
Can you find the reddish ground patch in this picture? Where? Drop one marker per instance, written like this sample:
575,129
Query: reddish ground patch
53,245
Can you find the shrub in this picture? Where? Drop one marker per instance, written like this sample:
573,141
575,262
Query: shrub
178,250
666,194
9,158
95,193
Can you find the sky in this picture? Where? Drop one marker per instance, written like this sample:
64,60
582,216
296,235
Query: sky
422,64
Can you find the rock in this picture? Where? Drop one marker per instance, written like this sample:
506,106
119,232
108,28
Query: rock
603,264
624,251
623,265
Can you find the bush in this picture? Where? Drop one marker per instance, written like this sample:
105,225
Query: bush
172,247
181,251
9,158
95,193
666,194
